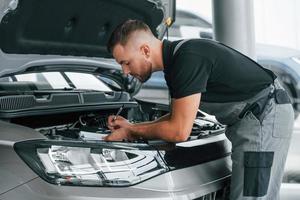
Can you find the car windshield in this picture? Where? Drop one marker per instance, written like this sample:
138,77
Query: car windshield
61,80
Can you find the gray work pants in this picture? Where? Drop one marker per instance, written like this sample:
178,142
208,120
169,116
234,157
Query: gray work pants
259,146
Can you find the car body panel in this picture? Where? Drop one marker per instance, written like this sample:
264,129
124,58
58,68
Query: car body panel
12,133
187,183
171,185
14,172
184,181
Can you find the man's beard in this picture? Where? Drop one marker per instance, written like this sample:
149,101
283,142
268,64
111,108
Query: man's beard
146,76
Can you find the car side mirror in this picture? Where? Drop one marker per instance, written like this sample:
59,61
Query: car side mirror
206,35
133,86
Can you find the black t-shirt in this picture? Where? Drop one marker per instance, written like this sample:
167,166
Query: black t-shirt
219,72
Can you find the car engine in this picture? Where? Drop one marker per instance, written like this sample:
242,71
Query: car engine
92,125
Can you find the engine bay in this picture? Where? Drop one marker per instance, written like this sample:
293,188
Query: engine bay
92,125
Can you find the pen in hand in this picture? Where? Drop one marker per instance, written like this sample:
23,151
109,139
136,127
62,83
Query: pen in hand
118,113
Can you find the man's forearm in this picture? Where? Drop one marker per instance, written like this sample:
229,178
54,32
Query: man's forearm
162,118
161,129
174,127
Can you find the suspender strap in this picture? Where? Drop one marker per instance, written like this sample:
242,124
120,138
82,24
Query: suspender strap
179,45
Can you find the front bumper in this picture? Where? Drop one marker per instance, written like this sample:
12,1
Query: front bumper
187,183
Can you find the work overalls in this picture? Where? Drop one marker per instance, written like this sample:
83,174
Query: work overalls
260,130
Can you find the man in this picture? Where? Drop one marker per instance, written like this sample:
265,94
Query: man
239,92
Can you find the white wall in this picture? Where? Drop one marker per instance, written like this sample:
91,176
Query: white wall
277,22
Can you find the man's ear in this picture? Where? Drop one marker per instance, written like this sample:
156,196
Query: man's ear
145,50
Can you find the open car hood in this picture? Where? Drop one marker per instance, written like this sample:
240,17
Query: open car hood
44,35
71,27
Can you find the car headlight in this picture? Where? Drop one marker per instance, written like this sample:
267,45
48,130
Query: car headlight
91,164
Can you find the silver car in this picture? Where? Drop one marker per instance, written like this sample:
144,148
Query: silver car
57,88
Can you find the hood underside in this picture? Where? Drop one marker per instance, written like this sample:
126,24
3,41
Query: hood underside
69,27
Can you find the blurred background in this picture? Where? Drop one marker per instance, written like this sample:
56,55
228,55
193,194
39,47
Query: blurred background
276,21
276,24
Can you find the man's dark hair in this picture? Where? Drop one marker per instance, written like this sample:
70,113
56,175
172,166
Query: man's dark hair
122,32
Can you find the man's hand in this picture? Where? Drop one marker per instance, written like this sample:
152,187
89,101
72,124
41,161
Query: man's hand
120,129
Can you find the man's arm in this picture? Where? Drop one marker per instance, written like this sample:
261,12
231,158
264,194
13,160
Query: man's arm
173,128
162,118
